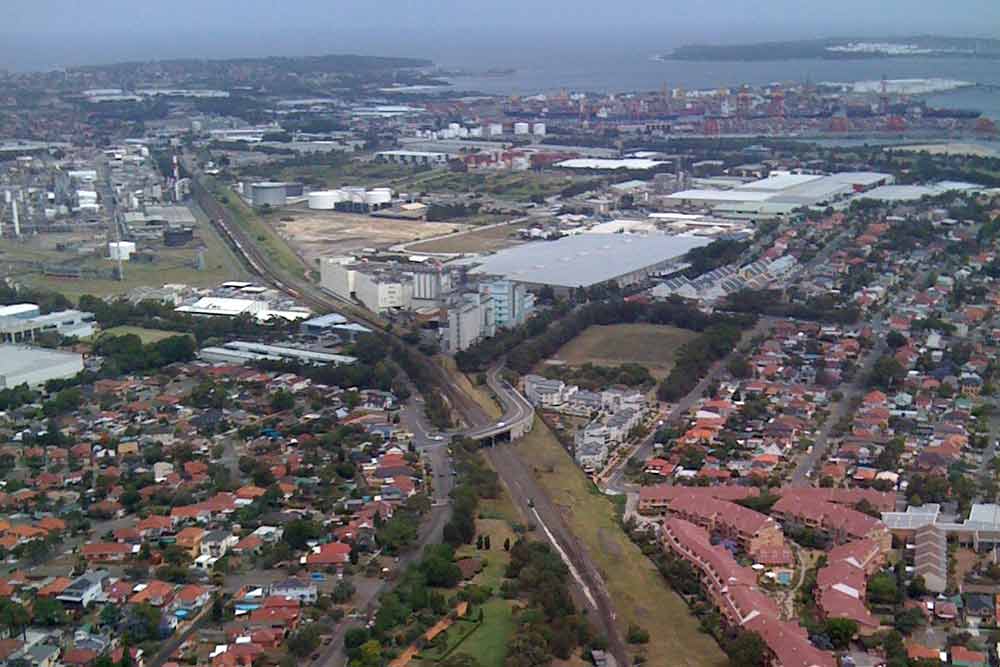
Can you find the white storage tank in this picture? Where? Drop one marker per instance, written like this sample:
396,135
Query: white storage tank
325,200
496,129
538,129
268,194
521,128
378,196
354,194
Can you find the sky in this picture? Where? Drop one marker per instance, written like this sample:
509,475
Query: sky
48,33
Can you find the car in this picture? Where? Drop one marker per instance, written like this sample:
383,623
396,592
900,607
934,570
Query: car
501,424
531,502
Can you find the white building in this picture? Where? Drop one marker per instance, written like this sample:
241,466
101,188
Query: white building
33,366
470,319
22,323
543,392
384,290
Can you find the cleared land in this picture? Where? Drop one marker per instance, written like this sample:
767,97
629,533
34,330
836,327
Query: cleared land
87,251
316,234
487,239
639,592
976,150
652,345
146,335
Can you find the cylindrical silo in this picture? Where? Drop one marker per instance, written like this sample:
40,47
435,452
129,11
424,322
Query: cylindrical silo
378,196
325,200
268,194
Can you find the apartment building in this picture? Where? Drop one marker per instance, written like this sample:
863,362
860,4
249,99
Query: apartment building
655,500
756,533
841,524
733,590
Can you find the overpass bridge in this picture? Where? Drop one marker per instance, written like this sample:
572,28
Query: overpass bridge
518,413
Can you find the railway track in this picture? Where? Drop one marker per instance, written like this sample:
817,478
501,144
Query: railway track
312,295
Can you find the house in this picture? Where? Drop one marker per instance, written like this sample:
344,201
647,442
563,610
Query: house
331,554
108,552
963,657
85,589
42,655
156,593
216,543
191,598
190,539
303,590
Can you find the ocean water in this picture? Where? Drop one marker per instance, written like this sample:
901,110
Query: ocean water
611,70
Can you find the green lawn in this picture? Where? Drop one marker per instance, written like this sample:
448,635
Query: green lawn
640,593
488,644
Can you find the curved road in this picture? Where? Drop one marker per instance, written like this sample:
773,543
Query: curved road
515,475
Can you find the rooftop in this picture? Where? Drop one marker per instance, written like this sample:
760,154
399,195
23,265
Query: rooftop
585,259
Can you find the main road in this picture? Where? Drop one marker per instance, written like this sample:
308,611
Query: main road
512,472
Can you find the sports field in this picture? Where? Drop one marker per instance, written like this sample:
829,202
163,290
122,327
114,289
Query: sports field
651,345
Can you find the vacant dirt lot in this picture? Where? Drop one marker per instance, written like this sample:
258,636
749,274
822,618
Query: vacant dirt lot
477,240
316,234
651,345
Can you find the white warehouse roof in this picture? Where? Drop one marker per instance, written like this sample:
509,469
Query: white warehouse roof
585,259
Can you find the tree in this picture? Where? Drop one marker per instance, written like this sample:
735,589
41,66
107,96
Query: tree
48,612
369,655
887,373
110,615
637,635
895,340
282,400
304,642
909,620
218,610
917,587
13,616
841,631
506,544
747,649
882,588
343,591
299,532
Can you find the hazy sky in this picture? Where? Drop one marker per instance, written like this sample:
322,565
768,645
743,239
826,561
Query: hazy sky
37,33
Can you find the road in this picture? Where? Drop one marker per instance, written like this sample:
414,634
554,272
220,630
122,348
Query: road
615,480
853,391
513,475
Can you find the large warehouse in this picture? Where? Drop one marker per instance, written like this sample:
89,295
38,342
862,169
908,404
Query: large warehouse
588,259
782,192
33,366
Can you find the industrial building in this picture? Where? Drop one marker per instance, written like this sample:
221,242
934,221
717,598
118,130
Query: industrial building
413,158
23,322
242,351
588,259
234,307
780,193
384,286
335,324
33,366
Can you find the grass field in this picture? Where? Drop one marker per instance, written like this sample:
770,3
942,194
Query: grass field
476,240
651,345
639,592
488,644
146,335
